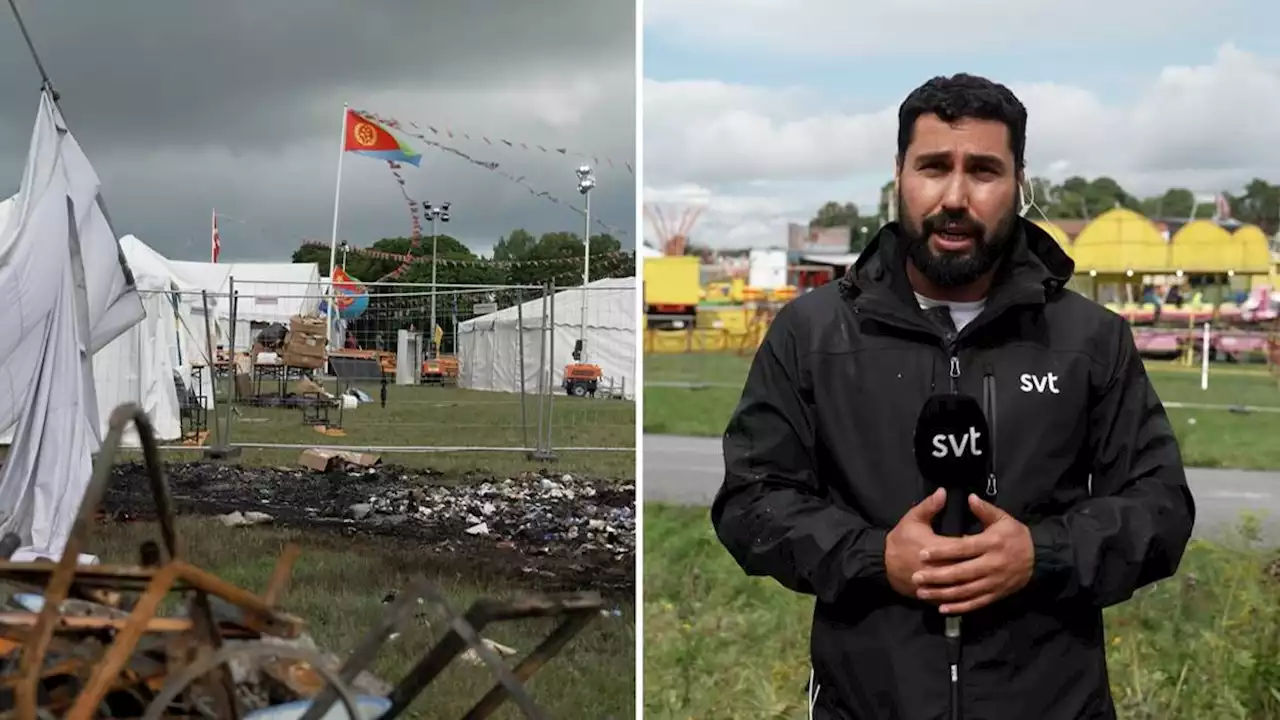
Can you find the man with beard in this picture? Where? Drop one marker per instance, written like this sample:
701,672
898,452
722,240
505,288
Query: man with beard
1087,499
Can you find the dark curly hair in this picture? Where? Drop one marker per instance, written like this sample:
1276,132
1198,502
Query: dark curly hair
964,96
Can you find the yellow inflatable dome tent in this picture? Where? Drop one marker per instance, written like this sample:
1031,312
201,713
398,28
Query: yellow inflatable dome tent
1120,242
1202,246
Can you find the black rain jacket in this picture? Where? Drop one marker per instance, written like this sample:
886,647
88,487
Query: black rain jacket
819,467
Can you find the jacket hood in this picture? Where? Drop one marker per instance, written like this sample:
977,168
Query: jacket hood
1033,257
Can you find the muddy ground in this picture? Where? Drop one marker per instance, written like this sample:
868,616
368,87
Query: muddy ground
549,532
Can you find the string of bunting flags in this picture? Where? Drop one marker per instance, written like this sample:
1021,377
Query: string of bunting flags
384,255
415,237
491,166
514,145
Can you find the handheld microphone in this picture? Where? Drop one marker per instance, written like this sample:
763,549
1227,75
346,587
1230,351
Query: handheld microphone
952,447
953,451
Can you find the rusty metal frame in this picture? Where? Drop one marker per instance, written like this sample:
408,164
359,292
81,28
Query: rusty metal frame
577,609
175,574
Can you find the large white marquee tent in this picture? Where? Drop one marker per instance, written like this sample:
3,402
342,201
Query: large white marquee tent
267,292
489,345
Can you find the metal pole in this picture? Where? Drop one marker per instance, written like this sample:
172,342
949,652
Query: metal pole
524,419
542,367
231,340
586,270
31,46
435,234
551,385
235,307
333,239
213,367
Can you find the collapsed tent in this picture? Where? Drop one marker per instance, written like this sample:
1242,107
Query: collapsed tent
138,367
267,293
489,345
67,292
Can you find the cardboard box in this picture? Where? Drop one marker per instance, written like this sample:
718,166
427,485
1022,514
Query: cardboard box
325,460
305,362
303,325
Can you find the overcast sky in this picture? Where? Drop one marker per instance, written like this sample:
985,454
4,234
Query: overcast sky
762,113
184,106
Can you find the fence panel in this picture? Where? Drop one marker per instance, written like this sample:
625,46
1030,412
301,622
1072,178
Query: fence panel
499,374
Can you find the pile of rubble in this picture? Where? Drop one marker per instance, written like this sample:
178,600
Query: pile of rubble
537,514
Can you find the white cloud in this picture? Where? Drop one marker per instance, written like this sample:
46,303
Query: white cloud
1209,127
835,28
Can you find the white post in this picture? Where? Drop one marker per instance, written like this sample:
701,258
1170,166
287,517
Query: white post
435,236
333,242
586,270
1204,360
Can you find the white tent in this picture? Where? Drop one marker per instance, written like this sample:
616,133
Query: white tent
489,345
268,293
66,293
138,366
186,338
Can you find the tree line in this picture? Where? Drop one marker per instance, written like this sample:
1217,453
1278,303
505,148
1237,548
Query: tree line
1079,198
519,258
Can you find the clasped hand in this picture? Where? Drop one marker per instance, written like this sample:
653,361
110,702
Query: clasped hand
960,574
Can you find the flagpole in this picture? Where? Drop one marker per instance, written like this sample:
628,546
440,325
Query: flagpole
333,242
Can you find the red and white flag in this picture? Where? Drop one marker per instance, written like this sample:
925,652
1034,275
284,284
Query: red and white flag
216,240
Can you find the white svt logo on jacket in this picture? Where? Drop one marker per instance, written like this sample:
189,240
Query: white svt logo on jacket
1039,383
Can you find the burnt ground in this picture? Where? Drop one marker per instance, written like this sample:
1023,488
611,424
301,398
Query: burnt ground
551,532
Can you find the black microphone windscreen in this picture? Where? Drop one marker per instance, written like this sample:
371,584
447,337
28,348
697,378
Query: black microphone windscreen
953,443
953,451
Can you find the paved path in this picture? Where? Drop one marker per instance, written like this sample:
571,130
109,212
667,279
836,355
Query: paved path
688,471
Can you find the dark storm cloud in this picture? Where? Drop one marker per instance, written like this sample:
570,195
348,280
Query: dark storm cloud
186,105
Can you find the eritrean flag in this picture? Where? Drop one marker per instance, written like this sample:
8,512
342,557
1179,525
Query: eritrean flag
368,138
351,298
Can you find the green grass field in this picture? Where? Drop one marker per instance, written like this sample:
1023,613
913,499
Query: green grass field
718,644
338,584
1209,437
451,417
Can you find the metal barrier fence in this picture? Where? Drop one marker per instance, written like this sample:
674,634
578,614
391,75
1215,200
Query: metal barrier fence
499,375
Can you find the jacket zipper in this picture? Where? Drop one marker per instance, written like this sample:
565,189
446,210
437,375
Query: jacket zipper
989,409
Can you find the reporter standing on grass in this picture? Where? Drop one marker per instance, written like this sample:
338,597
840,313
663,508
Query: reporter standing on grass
1088,500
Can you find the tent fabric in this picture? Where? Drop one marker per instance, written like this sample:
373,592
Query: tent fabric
1203,246
1255,250
267,292
138,366
66,292
489,345
1120,240
189,344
